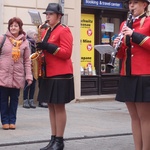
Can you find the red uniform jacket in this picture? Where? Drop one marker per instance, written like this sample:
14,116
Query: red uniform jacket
59,63
140,49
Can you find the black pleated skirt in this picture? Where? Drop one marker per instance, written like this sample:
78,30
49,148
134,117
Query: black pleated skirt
134,89
57,90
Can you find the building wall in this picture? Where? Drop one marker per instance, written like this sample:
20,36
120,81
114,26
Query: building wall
20,9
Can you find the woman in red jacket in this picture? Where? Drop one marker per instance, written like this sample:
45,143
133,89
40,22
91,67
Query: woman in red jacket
57,86
134,86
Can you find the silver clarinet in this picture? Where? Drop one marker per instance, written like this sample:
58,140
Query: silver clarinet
120,37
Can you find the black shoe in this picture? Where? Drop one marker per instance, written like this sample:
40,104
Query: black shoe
50,144
58,144
44,105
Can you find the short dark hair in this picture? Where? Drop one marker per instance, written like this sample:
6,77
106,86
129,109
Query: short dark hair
18,21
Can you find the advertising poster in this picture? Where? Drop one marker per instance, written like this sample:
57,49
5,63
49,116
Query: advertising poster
87,40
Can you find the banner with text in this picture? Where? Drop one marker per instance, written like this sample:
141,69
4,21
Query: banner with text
87,40
106,3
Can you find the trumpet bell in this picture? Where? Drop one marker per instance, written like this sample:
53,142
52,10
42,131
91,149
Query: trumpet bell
35,66
111,65
34,56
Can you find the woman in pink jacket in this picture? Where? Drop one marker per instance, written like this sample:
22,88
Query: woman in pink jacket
15,68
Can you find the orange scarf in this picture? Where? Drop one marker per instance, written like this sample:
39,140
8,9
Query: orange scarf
16,49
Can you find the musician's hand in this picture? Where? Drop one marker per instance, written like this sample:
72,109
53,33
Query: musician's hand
51,48
41,45
116,40
127,31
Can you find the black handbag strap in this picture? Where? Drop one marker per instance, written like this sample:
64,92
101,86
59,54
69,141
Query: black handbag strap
1,45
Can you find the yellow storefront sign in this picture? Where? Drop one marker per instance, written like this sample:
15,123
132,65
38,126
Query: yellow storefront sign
87,40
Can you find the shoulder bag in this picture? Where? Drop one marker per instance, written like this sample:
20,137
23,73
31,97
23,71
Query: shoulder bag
1,45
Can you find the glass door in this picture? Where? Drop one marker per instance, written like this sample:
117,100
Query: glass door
109,31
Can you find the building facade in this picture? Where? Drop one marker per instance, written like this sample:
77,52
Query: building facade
73,10
101,19
20,9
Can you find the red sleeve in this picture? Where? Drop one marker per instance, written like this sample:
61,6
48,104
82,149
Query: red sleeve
66,42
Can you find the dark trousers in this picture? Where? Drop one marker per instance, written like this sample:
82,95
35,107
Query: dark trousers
9,104
28,92
39,83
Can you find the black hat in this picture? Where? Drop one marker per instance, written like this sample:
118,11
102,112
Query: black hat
54,8
148,1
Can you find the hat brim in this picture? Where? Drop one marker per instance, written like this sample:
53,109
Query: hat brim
145,1
46,12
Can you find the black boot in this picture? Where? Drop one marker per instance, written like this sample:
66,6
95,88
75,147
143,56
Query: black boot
58,144
50,144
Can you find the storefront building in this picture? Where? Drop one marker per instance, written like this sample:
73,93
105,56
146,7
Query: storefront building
105,16
100,22
92,22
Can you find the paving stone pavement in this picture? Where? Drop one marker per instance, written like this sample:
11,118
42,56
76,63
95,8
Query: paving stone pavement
92,125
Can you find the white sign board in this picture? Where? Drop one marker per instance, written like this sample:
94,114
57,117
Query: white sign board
109,27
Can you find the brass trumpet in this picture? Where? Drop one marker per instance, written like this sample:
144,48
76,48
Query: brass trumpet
34,56
35,68
37,57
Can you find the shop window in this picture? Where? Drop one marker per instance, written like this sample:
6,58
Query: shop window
109,31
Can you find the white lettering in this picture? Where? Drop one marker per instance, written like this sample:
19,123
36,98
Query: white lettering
115,4
103,3
92,2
